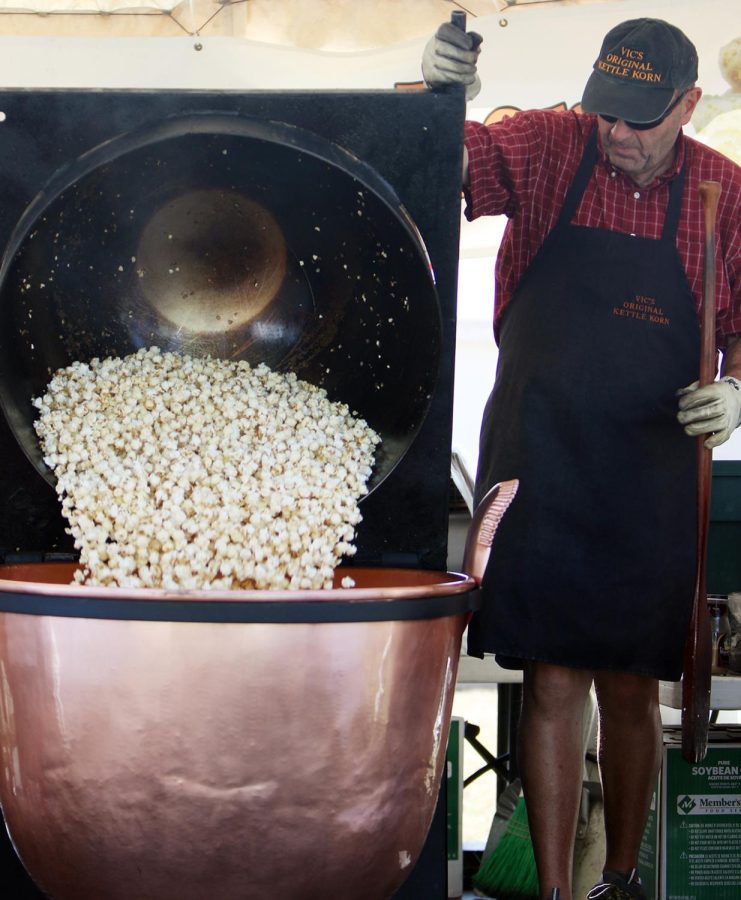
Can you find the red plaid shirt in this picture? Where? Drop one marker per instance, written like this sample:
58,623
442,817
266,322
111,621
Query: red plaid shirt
523,166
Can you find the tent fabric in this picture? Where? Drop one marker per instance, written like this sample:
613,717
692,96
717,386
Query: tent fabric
44,7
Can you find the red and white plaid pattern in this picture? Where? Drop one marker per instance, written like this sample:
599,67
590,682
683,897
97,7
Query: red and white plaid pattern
522,167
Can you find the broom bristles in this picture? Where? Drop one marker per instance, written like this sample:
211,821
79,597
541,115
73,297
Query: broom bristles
510,873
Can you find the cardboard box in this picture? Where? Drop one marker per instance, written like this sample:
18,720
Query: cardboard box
691,848
454,770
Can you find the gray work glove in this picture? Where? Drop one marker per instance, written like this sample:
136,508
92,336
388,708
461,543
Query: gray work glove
714,409
450,58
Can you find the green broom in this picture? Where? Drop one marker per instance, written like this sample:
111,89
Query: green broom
509,872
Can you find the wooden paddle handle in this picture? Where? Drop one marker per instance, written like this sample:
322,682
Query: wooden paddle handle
709,194
697,675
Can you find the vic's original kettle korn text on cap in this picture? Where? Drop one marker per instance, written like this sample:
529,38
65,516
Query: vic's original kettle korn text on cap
642,65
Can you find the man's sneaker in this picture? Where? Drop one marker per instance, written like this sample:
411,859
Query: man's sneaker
615,886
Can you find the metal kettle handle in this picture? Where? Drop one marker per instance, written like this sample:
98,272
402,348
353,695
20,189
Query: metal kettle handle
486,518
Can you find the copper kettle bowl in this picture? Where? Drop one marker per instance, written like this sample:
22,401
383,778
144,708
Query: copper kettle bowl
234,745
242,745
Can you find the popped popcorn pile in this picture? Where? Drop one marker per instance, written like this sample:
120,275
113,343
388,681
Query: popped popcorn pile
182,472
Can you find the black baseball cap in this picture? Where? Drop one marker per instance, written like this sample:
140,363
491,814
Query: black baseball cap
641,65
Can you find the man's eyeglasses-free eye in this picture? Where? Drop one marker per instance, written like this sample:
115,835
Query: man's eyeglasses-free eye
644,126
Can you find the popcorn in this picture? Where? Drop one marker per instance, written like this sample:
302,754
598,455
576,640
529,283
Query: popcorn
729,60
724,134
713,105
186,473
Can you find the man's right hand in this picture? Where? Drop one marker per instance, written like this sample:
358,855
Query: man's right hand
450,58
714,409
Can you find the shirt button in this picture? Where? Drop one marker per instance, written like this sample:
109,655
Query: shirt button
613,174
637,195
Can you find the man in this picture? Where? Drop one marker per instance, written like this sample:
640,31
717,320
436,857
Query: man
599,279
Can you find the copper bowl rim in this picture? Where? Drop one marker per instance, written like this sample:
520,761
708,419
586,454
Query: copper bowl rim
432,583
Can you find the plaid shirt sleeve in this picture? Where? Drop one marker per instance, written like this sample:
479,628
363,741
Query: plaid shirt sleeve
705,164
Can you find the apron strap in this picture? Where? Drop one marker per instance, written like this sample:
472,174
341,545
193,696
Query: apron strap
674,207
581,179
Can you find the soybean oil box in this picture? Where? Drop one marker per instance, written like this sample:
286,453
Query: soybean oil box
691,848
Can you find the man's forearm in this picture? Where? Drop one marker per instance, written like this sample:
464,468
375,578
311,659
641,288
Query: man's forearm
732,358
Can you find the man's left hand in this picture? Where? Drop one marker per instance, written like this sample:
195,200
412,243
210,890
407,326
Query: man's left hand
450,58
714,409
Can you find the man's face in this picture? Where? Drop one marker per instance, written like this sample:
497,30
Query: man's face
643,155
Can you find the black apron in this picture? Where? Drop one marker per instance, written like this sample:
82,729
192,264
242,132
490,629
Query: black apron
593,564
